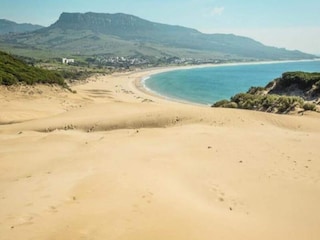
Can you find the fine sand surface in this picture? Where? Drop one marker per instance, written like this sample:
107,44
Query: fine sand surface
113,162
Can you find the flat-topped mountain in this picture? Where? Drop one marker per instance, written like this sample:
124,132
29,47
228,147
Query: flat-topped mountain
127,35
7,26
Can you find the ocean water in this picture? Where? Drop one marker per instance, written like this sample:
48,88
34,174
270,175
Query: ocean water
210,84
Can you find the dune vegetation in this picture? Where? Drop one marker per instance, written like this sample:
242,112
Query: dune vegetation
292,91
14,70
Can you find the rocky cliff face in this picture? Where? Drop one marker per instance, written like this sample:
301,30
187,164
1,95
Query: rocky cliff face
109,23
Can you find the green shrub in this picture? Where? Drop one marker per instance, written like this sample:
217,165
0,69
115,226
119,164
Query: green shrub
225,104
270,103
8,79
220,103
309,106
231,105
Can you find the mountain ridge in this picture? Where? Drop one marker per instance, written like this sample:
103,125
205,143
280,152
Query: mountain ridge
7,26
127,35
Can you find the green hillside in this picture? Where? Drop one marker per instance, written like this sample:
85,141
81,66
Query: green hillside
127,35
13,71
293,90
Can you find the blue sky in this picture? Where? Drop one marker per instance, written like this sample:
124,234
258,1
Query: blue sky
293,24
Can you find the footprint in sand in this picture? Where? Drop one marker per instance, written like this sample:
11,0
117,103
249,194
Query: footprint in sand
53,209
22,221
148,197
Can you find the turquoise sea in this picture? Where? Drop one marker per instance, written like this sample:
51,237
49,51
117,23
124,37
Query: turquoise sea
210,84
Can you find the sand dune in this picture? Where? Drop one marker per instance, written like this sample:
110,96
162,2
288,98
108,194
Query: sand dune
113,162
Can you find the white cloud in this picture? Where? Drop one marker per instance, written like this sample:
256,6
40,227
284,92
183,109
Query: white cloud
217,11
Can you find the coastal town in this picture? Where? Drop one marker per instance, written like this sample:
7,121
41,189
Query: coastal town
122,62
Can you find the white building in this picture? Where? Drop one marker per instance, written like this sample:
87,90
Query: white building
67,60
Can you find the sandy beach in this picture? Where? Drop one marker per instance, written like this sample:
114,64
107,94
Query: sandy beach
115,162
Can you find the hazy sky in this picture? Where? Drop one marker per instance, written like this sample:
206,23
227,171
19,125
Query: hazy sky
293,24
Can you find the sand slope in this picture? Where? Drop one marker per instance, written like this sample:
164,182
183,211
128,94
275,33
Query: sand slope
112,162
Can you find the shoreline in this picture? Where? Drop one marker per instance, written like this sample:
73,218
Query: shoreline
140,83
